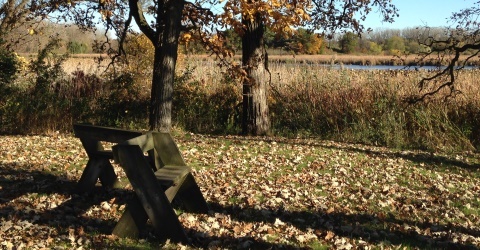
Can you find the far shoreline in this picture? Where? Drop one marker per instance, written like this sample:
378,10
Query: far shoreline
325,59
350,59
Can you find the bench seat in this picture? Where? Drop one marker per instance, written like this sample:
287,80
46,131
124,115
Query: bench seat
171,175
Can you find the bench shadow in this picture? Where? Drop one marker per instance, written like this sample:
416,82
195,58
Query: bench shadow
17,180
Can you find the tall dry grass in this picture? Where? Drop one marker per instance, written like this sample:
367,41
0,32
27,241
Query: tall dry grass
287,76
349,59
364,106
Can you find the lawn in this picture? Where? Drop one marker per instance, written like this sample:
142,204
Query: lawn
263,192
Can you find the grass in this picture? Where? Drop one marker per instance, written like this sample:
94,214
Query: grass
382,198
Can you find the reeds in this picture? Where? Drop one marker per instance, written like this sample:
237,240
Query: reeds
363,106
366,106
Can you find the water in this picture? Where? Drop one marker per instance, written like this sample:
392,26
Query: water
375,67
382,67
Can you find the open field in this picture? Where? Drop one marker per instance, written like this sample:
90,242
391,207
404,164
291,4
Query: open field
355,59
263,192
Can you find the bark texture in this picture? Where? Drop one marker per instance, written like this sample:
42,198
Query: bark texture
255,120
166,48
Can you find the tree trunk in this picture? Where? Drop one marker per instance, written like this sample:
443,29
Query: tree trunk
255,120
166,52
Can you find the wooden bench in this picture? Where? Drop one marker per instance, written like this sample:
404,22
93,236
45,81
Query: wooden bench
156,170
99,166
157,186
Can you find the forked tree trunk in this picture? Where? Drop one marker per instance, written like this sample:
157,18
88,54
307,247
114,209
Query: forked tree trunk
166,52
255,119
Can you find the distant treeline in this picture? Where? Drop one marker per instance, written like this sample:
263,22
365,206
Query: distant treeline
379,42
303,41
27,40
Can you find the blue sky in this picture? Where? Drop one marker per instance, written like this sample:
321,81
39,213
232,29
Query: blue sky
433,13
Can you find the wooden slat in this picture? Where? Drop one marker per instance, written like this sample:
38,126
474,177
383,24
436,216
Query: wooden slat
98,166
145,142
104,133
171,175
133,220
104,153
90,175
150,193
190,196
167,152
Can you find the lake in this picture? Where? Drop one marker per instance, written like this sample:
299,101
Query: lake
382,67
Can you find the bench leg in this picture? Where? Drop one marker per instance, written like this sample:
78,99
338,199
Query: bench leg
191,197
132,221
150,193
108,178
89,176
97,168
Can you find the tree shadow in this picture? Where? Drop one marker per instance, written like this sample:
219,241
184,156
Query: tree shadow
417,157
366,227
18,180
227,242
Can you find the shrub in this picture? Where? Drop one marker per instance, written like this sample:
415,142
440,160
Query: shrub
367,107
349,42
47,99
123,105
355,106
9,66
74,47
201,108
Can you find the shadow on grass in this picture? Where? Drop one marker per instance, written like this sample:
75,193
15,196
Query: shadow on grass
417,157
366,227
17,181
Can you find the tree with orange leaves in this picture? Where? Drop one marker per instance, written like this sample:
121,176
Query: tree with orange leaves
250,18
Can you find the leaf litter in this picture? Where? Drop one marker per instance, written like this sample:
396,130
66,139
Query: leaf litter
263,192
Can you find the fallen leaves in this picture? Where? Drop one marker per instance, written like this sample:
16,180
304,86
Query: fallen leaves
263,192
352,188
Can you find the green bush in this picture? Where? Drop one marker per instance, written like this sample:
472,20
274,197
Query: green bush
51,100
8,67
349,42
8,73
122,105
203,109
74,47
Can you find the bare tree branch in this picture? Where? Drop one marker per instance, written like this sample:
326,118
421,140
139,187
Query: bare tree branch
137,13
